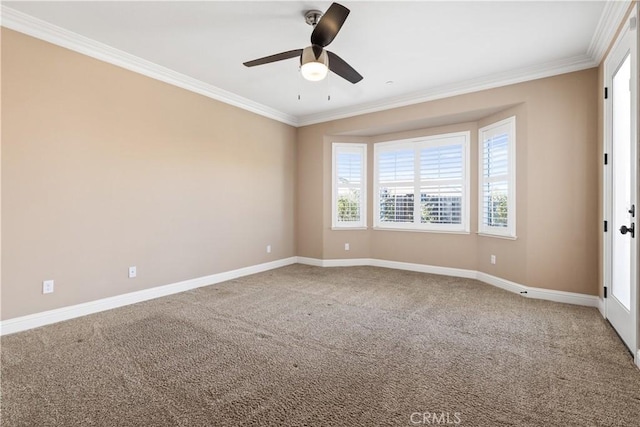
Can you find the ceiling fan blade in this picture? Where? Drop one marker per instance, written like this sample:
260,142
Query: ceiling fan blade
341,68
273,58
329,25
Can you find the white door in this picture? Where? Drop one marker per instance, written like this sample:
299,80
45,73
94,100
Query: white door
621,186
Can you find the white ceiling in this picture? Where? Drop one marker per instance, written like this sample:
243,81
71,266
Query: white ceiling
427,49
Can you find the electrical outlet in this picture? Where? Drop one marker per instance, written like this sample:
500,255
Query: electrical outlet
133,272
493,259
346,247
47,286
268,249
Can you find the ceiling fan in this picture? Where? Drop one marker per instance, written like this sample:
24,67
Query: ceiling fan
315,60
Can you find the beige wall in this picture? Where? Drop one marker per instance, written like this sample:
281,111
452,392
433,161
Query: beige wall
0,175
557,178
103,168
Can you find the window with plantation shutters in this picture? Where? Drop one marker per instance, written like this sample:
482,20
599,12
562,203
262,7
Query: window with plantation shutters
349,185
497,214
422,184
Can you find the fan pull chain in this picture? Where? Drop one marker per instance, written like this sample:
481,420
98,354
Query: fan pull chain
299,85
328,87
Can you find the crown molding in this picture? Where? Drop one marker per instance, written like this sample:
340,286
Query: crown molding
492,81
610,20
43,30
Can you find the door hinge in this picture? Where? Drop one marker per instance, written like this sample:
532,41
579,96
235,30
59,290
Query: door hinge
605,226
605,291
606,92
606,159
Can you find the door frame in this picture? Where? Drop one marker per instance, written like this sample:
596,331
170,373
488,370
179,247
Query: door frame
630,24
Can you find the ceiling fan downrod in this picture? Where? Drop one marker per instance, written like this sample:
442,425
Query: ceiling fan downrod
312,17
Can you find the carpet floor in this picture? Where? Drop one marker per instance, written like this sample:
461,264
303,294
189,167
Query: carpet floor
309,346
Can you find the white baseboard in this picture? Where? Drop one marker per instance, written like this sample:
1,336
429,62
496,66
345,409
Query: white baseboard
311,261
35,320
525,291
601,308
501,283
373,262
23,323
562,296
351,262
422,268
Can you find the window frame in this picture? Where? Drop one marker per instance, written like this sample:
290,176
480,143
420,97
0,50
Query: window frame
362,148
508,232
417,144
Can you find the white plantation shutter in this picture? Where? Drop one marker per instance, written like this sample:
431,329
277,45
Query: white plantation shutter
442,183
497,178
422,184
396,174
349,185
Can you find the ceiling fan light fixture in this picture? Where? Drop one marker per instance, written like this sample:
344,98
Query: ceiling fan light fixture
311,68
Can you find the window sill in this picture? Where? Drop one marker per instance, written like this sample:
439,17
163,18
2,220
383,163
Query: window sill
414,230
498,236
348,228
